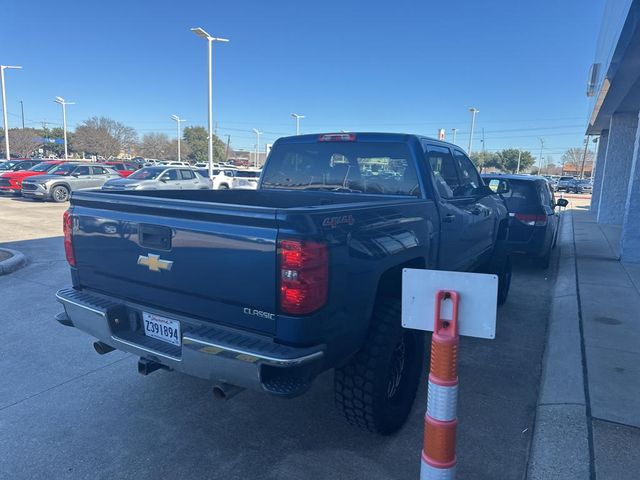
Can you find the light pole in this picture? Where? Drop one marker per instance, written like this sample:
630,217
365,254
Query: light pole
519,157
258,133
203,34
22,112
177,119
297,117
473,111
541,147
454,130
61,101
4,109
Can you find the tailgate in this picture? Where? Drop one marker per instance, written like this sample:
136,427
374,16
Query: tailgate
213,261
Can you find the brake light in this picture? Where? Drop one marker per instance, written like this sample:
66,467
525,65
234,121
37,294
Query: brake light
532,220
304,275
67,228
337,137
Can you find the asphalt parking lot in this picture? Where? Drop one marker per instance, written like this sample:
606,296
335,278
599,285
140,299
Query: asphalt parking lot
66,412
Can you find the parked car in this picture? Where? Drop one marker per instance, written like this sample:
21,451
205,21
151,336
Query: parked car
18,165
534,221
176,164
123,168
66,178
584,186
268,288
160,178
234,178
11,182
564,183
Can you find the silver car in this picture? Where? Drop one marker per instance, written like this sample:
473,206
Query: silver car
66,178
160,178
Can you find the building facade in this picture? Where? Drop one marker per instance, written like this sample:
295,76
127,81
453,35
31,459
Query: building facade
614,92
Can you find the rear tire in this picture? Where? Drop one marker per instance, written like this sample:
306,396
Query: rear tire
500,264
224,186
376,388
59,194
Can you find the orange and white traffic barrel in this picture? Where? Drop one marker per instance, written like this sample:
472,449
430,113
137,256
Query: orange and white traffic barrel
440,422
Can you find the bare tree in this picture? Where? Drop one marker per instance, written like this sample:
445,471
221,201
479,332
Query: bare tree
22,142
103,136
158,146
572,158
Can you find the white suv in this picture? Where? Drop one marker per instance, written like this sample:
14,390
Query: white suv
233,178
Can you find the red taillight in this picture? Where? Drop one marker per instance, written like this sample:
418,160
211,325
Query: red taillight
304,275
531,220
67,228
337,137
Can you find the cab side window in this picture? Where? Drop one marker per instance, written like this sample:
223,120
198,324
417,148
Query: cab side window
444,170
99,171
469,178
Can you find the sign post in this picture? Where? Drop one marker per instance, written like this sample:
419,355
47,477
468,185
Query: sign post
463,304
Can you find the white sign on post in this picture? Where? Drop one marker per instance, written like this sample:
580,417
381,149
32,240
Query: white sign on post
477,308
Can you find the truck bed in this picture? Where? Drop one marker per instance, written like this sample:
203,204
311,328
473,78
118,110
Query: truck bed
222,245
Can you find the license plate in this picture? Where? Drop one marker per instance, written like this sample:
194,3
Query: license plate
162,328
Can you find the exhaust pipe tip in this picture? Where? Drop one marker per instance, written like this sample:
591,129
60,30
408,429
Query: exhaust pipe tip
226,391
102,348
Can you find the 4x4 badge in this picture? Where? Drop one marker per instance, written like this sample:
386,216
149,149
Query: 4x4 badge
154,262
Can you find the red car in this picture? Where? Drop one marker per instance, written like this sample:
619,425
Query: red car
11,182
123,168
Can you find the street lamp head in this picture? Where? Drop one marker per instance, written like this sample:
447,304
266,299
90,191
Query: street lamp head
10,66
256,131
175,117
59,100
474,110
295,115
201,33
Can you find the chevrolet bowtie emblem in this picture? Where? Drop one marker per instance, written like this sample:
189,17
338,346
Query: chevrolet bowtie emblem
154,263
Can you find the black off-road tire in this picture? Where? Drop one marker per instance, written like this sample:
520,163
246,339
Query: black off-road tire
500,264
376,389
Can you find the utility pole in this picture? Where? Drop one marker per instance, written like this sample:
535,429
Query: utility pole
519,157
226,152
540,160
454,130
584,157
22,111
4,109
483,139
473,111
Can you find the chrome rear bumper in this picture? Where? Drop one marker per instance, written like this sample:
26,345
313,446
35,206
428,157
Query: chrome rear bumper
207,351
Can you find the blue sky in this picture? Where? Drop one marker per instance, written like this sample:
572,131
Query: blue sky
368,65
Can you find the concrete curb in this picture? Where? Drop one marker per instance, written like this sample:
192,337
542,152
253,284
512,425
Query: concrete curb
560,447
14,262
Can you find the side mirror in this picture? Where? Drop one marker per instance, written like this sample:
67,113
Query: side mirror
562,202
75,174
498,186
164,179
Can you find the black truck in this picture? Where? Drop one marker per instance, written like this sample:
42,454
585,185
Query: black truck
266,289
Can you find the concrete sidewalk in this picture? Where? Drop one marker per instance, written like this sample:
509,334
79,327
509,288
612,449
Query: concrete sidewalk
609,294
588,414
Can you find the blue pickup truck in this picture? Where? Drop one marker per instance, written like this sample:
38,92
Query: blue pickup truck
266,289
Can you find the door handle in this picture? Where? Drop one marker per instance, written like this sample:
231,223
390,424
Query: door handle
449,218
